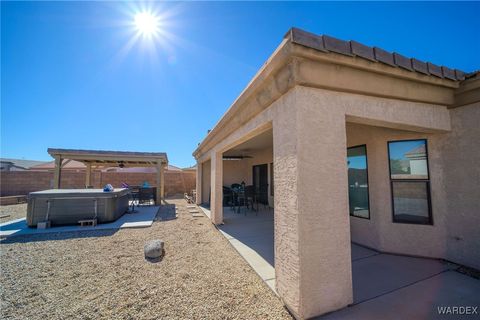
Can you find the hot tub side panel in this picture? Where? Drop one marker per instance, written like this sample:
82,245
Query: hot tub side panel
70,211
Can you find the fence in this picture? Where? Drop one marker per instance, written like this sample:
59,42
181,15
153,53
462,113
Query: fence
22,182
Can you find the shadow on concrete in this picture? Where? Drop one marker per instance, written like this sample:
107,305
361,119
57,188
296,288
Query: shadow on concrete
254,230
55,236
167,211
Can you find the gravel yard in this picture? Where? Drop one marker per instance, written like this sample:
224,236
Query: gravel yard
103,275
13,212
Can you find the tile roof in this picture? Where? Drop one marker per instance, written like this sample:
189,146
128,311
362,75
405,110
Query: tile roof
22,162
51,165
352,48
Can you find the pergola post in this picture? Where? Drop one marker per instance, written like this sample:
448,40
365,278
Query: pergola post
88,174
160,181
57,173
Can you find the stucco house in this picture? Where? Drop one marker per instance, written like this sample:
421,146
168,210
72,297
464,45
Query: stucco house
333,127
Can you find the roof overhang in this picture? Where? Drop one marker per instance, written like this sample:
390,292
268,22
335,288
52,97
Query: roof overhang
303,59
111,158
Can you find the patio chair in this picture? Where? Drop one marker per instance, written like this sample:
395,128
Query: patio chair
146,196
227,197
250,198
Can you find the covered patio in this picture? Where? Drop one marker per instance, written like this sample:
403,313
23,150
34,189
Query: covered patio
101,158
382,283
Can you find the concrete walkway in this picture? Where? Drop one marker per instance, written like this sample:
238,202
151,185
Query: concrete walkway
142,218
385,286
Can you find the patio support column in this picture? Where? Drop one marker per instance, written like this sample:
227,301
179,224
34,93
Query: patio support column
216,182
88,175
57,174
198,183
312,227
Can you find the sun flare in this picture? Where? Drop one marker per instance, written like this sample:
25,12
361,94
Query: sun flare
147,23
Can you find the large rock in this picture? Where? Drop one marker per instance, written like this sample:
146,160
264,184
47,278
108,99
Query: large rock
153,250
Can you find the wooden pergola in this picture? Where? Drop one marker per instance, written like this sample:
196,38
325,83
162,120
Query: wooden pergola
101,158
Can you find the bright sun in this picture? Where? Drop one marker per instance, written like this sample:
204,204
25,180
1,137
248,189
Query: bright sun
147,23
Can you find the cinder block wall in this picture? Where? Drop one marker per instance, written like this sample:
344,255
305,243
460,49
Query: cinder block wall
23,182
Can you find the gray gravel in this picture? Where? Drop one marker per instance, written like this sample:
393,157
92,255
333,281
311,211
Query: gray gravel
13,212
103,275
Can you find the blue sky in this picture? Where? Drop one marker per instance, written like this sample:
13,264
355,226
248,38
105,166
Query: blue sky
71,77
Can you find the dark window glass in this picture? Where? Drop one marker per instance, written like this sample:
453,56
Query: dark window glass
271,179
358,182
410,181
410,201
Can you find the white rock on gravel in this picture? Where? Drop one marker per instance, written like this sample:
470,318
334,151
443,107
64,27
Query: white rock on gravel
153,249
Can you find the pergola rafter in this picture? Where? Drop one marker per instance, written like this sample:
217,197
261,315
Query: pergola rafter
102,158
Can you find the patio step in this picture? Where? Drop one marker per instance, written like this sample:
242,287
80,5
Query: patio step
88,222
197,215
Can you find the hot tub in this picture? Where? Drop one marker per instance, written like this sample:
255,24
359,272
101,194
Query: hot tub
68,206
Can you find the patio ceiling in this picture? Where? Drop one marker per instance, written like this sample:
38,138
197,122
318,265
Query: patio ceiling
262,141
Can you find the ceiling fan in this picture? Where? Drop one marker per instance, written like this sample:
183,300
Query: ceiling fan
237,157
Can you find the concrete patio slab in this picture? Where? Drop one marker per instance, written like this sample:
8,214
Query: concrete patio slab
380,274
420,300
360,252
385,286
141,219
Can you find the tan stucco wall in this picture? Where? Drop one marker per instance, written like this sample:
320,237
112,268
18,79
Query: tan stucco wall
234,172
238,171
461,155
454,176
380,232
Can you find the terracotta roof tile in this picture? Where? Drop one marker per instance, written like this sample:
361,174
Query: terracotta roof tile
362,50
326,43
420,66
337,45
402,61
384,56
435,70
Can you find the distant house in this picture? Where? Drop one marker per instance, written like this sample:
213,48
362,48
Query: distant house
72,166
17,164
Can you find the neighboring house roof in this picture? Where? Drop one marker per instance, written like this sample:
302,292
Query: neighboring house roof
352,48
417,152
173,168
51,165
22,163
192,168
